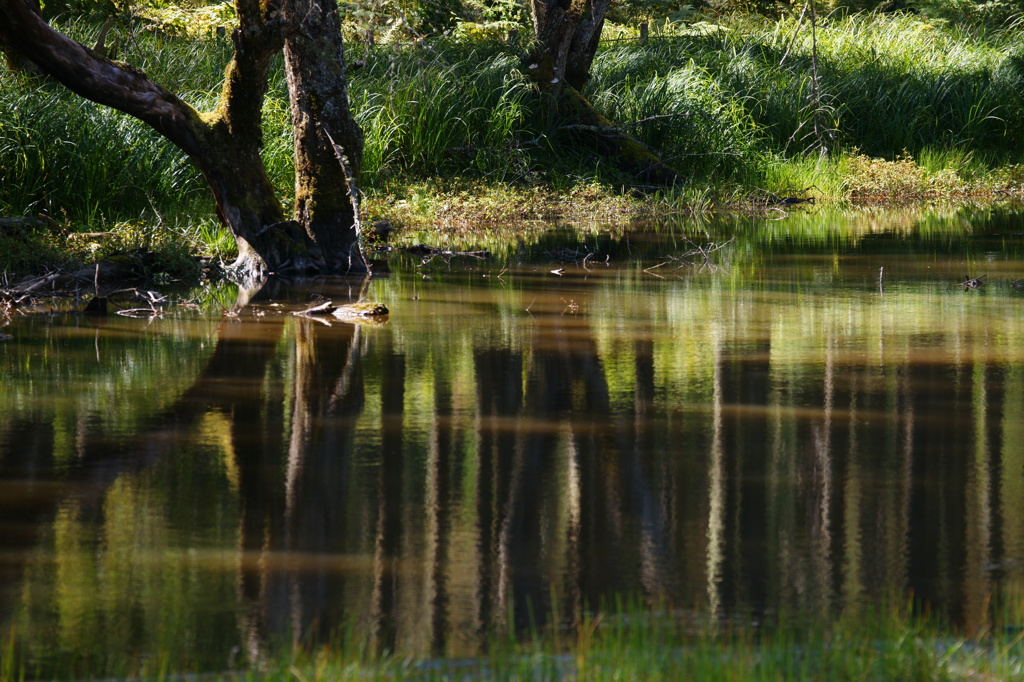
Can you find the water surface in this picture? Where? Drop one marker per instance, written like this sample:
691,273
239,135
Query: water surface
815,417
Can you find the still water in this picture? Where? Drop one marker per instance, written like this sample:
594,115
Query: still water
811,417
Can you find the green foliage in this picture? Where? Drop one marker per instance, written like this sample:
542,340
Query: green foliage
398,20
674,107
82,9
509,12
492,20
634,11
190,19
986,14
727,104
430,111
60,148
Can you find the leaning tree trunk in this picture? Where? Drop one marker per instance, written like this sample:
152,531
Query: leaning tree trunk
567,33
225,143
328,141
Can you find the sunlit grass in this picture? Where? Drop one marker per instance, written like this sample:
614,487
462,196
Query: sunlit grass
728,105
890,82
431,110
887,642
804,176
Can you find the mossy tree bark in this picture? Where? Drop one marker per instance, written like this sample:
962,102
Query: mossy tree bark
328,141
224,143
567,34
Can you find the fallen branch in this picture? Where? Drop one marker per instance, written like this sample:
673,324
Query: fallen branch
424,250
326,308
615,127
19,223
140,312
688,258
972,282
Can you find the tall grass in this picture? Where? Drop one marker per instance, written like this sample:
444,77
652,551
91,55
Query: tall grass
890,82
680,111
727,105
92,166
629,642
68,157
435,110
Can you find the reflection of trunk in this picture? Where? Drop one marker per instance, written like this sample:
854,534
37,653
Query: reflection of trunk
853,511
643,464
327,397
977,584
304,513
567,33
565,379
440,462
25,451
716,513
499,398
389,500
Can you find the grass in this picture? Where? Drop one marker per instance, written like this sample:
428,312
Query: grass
889,642
160,254
890,82
417,121
455,133
893,641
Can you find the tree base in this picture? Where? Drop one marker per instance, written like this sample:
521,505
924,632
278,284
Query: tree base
632,156
292,254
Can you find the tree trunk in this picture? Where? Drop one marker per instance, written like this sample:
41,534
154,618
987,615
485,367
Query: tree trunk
328,141
567,33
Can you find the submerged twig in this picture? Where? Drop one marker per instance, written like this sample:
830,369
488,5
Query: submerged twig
325,308
424,250
576,256
698,255
972,282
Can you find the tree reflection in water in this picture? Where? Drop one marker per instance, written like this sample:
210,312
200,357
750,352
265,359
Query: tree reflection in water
466,470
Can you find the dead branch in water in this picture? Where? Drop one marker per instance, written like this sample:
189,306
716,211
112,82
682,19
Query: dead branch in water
583,258
697,256
326,308
973,282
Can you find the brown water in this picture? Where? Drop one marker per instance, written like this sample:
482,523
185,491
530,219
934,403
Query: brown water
774,428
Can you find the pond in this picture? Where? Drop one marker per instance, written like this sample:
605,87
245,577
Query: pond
735,416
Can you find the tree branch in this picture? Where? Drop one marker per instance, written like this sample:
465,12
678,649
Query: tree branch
256,41
97,78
